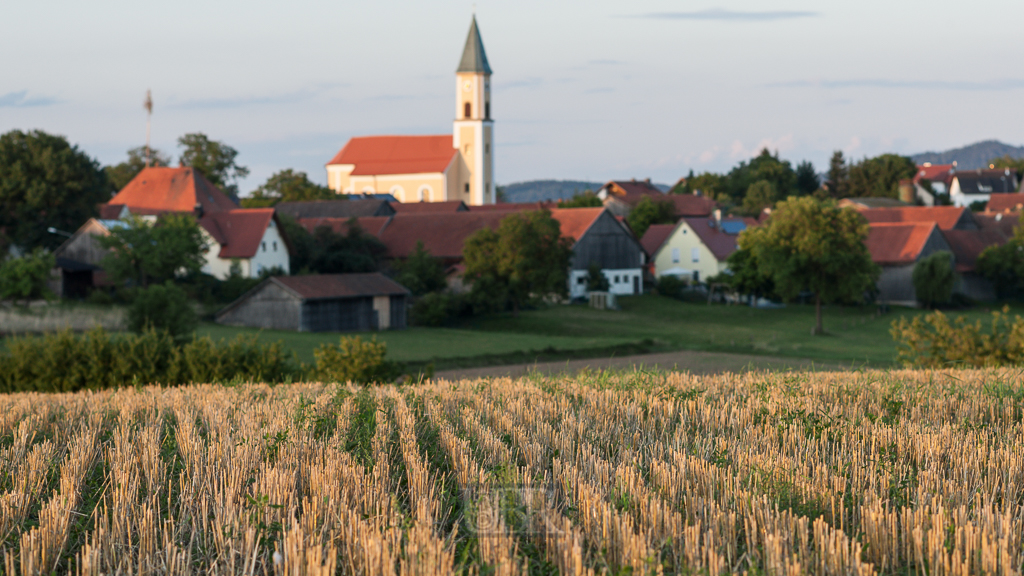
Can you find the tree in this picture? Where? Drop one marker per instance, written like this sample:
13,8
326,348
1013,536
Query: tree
760,195
714,186
596,280
764,166
1015,164
214,160
421,273
880,176
25,278
45,182
121,174
525,260
813,245
746,276
142,253
806,179
354,251
288,186
585,200
647,212
163,307
838,175
934,278
1003,266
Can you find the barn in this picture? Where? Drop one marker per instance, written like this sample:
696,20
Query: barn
321,303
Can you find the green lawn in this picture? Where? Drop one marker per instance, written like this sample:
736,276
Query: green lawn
857,336
422,344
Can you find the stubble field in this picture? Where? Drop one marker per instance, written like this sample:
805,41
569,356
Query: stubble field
822,473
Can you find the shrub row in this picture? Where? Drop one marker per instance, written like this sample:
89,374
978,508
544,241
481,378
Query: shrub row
936,342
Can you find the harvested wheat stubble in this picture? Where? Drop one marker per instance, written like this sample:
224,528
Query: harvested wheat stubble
897,472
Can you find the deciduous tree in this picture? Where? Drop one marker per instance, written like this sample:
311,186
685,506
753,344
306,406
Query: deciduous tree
25,278
647,212
289,186
142,252
586,199
880,176
933,279
214,160
45,182
813,245
760,195
421,273
121,174
525,260
764,166
353,251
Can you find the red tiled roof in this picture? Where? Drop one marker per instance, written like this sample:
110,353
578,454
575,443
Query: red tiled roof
110,211
968,244
1004,223
632,191
514,206
1009,202
576,221
934,173
947,217
711,235
397,154
163,189
239,231
324,286
370,224
429,207
691,205
892,243
655,237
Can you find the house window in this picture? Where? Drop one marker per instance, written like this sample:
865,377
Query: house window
275,246
675,255
616,278
581,280
264,246
695,254
469,108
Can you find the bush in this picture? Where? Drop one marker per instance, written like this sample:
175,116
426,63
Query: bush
596,280
355,360
671,286
25,278
434,309
934,278
935,342
162,307
64,362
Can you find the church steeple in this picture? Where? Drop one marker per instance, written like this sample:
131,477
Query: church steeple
473,131
474,58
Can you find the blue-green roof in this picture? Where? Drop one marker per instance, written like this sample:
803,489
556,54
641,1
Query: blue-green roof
474,59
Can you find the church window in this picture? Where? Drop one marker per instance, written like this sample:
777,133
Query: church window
468,109
397,192
487,148
425,192
467,187
487,110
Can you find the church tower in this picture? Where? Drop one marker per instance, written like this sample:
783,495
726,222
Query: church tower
473,133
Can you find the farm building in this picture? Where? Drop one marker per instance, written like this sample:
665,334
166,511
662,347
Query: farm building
321,303
896,247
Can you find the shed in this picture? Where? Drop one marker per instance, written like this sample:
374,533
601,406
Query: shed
321,303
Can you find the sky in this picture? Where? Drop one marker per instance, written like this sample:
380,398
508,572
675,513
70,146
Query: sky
592,90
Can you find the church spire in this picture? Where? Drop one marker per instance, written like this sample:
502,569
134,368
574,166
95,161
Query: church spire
474,59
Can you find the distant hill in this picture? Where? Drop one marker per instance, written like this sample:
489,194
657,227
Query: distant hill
539,190
971,157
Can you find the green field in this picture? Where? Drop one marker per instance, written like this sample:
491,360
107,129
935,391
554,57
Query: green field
422,344
857,336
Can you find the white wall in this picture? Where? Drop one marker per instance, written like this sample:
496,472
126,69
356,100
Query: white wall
271,253
624,287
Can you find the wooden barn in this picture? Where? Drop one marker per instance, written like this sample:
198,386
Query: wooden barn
321,303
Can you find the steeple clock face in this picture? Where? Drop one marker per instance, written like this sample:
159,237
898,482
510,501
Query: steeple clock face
467,86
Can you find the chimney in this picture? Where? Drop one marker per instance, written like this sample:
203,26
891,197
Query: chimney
198,210
906,191
718,216
648,181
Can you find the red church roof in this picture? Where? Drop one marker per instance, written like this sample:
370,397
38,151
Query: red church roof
163,189
396,154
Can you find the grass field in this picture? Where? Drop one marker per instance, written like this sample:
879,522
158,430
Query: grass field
853,473
857,336
421,344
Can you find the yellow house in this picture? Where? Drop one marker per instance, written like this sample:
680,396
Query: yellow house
694,248
436,168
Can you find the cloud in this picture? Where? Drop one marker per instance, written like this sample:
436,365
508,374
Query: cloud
606,62
738,151
722,15
22,100
999,84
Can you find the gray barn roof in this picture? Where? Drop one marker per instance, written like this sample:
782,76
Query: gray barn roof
328,286
335,208
474,59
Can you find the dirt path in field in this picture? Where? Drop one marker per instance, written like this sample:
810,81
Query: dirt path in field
683,360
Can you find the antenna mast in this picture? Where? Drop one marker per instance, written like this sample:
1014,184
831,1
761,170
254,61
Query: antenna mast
148,105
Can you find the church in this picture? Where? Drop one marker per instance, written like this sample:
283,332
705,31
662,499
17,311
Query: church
446,167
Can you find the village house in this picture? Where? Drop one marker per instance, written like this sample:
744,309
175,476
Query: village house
694,249
433,168
971,186
896,247
1005,203
932,180
321,303
248,240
